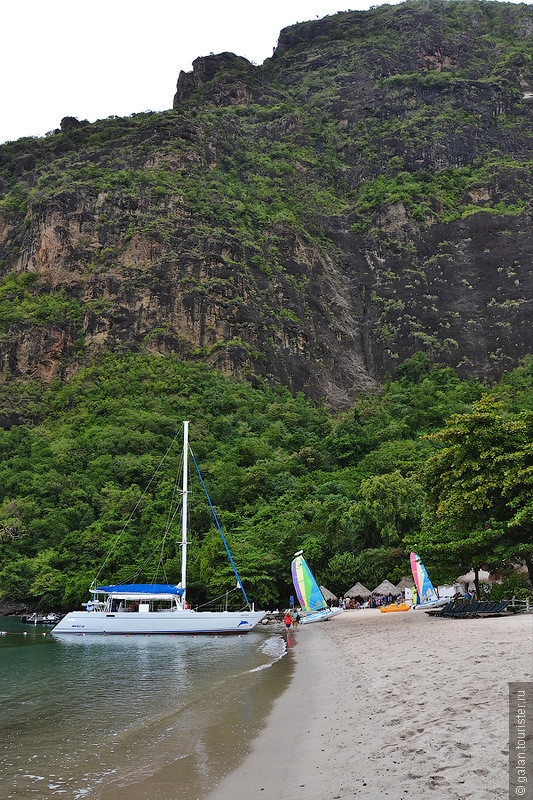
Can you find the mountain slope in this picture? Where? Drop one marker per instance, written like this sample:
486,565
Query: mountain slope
363,195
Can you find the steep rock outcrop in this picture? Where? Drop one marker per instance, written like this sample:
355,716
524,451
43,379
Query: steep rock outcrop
363,195
224,80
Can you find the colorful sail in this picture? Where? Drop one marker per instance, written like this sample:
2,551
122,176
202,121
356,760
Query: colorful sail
424,587
309,594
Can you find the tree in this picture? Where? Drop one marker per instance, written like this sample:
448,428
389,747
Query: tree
387,508
479,507
341,570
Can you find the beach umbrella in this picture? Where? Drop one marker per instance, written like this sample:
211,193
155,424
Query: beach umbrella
405,583
327,594
385,587
358,591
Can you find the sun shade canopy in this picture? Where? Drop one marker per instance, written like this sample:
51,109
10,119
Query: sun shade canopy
142,590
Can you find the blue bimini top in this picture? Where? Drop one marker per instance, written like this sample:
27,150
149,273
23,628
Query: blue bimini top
138,588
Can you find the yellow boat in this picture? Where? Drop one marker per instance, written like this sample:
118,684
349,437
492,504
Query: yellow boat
394,607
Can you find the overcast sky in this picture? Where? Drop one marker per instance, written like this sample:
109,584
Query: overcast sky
117,57
100,58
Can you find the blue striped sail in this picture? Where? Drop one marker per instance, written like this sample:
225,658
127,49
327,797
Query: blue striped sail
308,591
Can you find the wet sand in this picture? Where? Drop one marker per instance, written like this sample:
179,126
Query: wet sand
391,706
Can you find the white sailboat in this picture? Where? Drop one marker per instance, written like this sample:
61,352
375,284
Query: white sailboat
157,608
312,602
425,593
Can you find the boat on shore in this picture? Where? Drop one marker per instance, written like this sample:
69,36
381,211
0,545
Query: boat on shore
312,601
40,619
155,608
392,607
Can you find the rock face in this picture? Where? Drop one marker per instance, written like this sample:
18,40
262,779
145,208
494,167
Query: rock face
361,196
224,80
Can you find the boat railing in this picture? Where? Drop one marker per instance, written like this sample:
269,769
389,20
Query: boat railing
95,605
221,607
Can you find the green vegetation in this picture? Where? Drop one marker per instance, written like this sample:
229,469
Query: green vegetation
479,508
19,305
282,474
442,196
365,181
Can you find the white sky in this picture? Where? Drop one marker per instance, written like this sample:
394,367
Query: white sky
100,58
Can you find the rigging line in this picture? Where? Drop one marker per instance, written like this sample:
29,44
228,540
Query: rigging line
135,508
216,599
175,491
173,508
239,584
161,564
138,570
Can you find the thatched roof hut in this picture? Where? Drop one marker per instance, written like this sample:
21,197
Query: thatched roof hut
385,587
327,594
484,577
405,583
358,591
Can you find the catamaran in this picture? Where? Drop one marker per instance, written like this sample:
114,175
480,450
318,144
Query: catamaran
314,606
154,608
426,594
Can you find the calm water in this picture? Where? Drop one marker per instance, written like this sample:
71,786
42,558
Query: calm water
130,718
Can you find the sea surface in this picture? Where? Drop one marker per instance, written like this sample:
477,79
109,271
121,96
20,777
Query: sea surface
131,717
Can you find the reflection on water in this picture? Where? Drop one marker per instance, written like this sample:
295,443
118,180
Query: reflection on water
156,717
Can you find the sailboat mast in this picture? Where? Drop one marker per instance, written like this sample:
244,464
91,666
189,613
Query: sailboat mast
184,511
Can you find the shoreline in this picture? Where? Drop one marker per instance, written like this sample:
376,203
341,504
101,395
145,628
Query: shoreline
171,711
389,706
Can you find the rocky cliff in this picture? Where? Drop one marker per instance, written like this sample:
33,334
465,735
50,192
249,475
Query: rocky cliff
362,195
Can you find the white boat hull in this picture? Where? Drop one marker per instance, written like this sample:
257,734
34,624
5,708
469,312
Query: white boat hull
162,622
431,604
321,616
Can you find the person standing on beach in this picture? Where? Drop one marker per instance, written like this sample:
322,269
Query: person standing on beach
287,620
295,619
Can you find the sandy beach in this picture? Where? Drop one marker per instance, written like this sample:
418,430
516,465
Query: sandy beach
390,706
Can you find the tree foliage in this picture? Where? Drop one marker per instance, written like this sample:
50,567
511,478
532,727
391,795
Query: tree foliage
479,508
83,481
